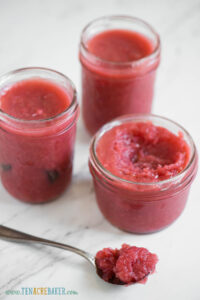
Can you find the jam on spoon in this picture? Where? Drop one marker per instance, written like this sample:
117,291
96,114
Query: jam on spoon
127,265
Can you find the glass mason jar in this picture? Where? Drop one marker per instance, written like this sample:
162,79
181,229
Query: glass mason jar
111,89
136,206
36,155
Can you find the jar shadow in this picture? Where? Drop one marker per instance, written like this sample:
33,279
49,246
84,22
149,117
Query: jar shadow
75,214
82,135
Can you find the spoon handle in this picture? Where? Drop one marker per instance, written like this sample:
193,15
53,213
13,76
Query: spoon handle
18,236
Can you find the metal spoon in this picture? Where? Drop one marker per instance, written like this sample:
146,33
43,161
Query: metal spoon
21,237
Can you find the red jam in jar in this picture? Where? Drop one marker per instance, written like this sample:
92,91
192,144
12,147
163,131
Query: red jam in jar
119,57
142,152
142,167
37,133
127,265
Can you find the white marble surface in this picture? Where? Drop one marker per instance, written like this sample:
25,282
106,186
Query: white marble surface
46,33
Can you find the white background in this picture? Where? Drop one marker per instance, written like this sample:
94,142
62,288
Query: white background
46,33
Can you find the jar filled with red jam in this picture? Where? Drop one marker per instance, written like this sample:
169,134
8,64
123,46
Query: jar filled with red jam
38,116
119,56
142,167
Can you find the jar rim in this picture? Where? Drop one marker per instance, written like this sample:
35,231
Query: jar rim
129,118
69,110
133,63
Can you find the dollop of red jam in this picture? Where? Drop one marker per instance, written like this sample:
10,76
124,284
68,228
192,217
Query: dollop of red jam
143,152
127,265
